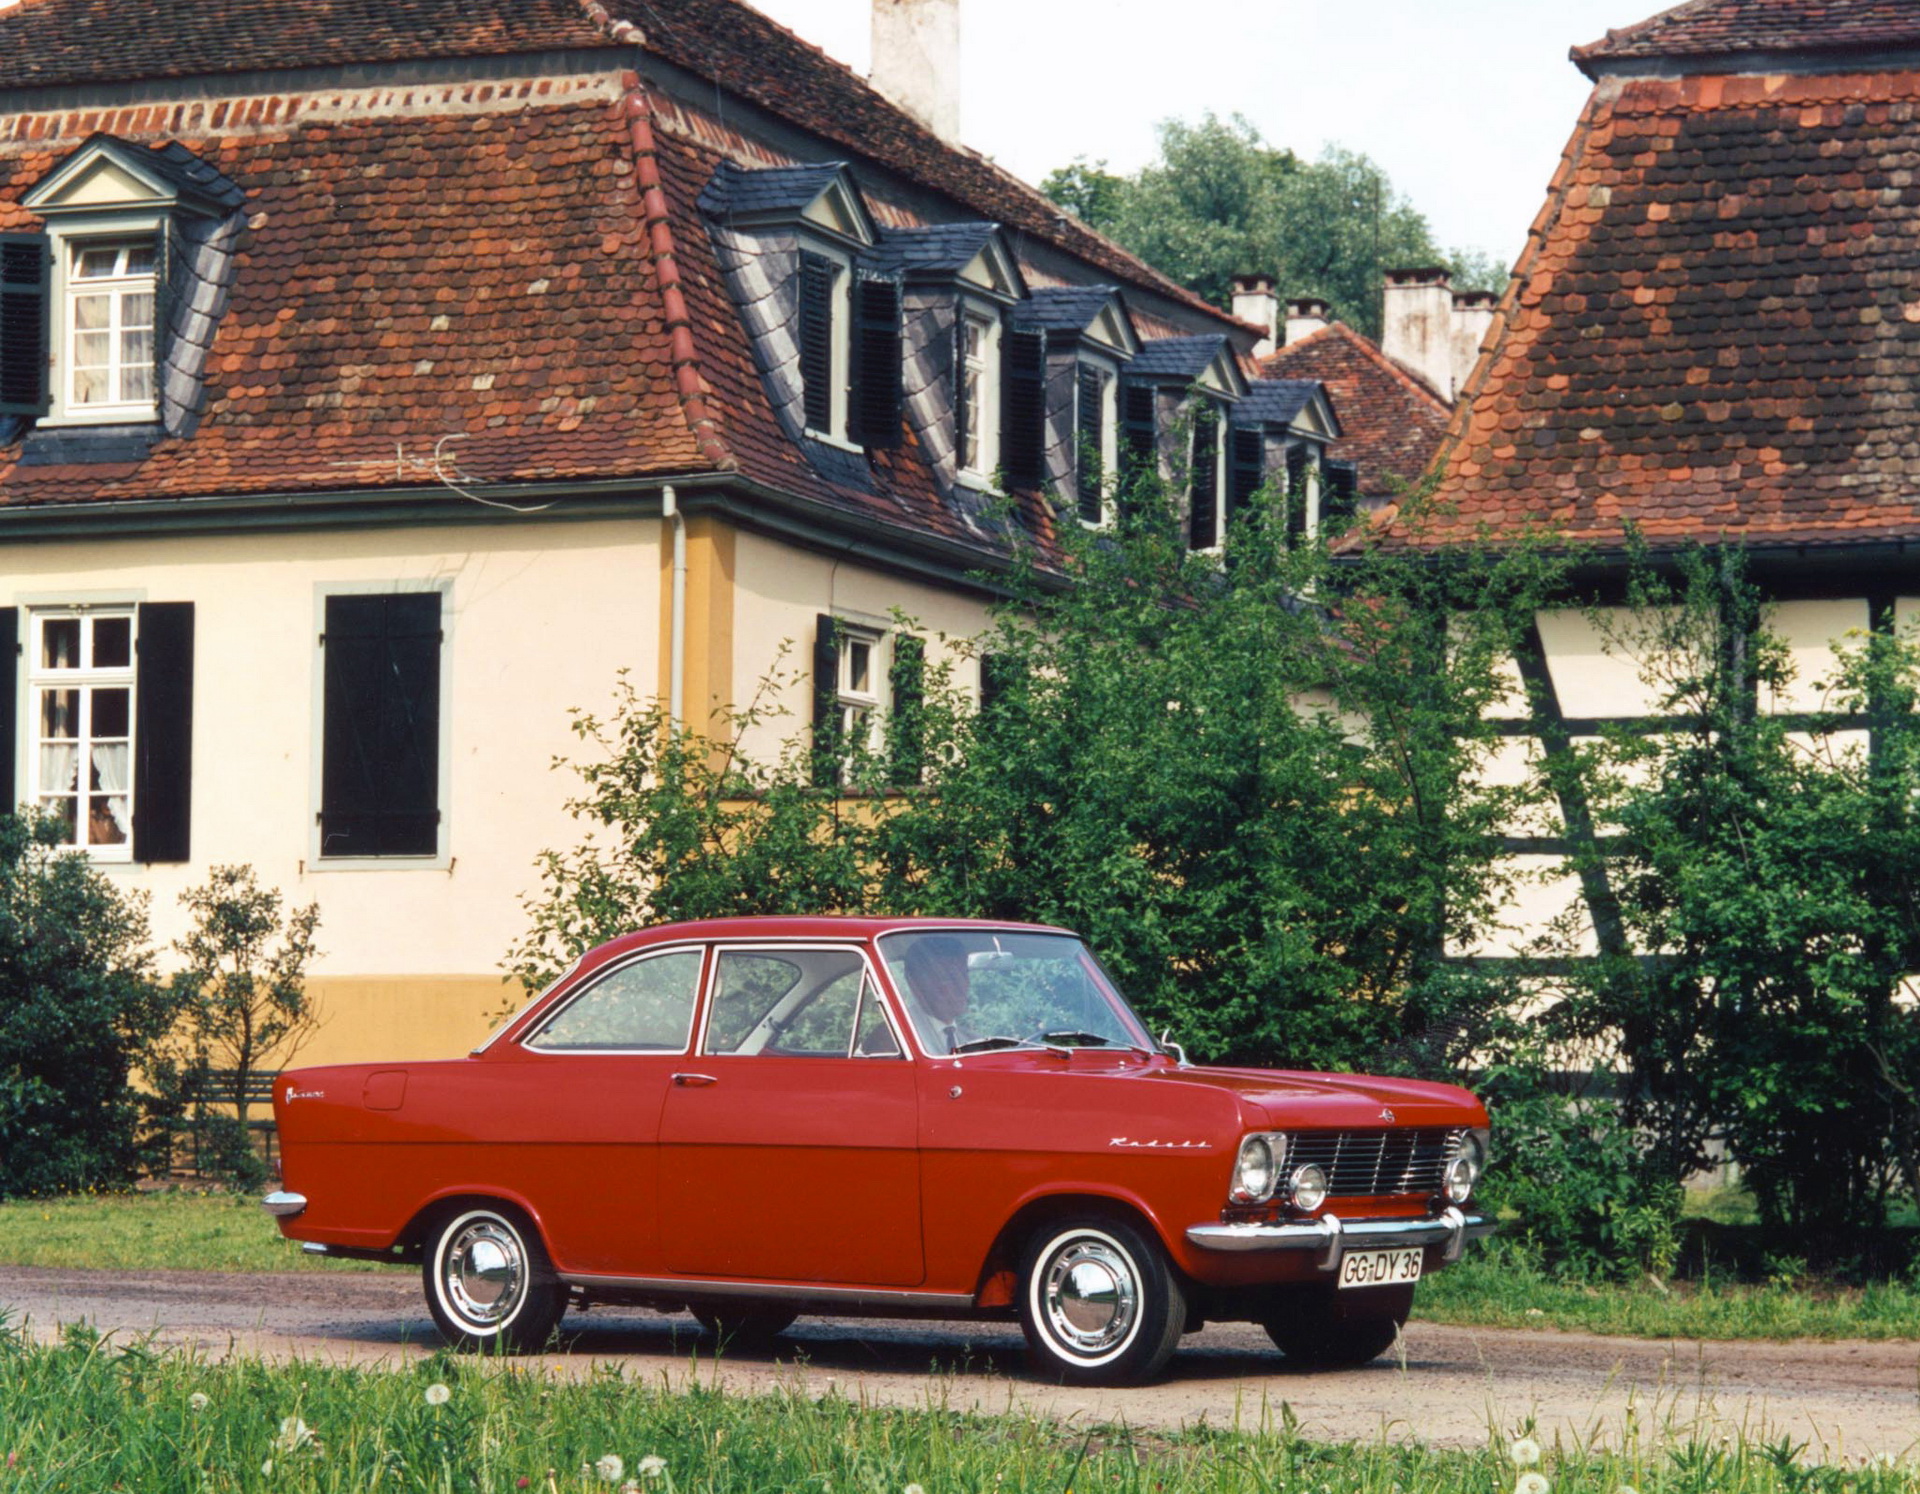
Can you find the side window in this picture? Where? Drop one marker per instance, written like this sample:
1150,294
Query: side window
645,1007
796,1004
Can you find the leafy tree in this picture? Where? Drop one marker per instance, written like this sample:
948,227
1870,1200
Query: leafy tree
80,1014
1768,887
1220,201
1267,816
243,988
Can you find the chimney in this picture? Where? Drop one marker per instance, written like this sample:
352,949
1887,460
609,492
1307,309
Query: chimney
1417,325
1472,315
1254,301
916,60
1305,317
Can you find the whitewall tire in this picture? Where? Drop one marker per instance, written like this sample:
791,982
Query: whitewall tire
1099,1302
489,1283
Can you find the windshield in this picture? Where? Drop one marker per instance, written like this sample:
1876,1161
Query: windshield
975,990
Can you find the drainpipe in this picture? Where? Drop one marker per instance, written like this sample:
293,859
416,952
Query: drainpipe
677,618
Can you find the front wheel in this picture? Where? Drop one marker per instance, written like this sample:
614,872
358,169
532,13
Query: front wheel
489,1283
1099,1302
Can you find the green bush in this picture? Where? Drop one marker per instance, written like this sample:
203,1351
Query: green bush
80,1013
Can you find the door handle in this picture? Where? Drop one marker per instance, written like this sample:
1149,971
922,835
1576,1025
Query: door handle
694,1081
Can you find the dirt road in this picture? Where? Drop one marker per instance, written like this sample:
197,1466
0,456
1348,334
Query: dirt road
1845,1400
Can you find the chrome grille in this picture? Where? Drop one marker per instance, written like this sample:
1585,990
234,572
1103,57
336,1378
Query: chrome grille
1373,1164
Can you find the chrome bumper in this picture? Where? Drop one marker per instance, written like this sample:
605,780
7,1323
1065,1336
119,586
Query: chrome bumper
1330,1235
284,1205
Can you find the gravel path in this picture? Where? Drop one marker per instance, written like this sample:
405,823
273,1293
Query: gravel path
1845,1400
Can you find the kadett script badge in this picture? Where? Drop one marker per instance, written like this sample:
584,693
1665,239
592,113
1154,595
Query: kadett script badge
305,1094
1162,1146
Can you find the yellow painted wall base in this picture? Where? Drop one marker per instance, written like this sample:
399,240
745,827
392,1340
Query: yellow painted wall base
373,1019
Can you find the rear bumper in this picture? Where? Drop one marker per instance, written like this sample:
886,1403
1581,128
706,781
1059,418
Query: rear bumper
1329,1235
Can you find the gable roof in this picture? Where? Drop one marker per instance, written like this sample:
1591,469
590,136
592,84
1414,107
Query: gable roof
48,43
1716,334
1390,421
936,249
1703,29
1280,401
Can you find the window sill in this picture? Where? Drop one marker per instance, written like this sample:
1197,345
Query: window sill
107,415
978,484
835,442
439,862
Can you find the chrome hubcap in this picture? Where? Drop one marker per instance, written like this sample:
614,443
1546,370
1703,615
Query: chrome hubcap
484,1272
1090,1296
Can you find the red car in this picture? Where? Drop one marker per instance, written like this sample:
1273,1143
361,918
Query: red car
758,1117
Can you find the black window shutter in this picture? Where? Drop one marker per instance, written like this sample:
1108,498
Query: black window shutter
1093,436
1203,505
24,320
962,416
163,732
1246,469
907,726
1139,436
816,340
380,728
1296,490
1342,497
826,702
877,370
1023,406
9,721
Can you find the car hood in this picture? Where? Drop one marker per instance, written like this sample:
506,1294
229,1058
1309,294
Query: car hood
1284,1099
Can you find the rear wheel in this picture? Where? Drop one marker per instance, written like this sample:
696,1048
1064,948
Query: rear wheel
489,1283
1100,1303
1310,1334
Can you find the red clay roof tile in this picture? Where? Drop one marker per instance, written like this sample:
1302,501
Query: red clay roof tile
1709,28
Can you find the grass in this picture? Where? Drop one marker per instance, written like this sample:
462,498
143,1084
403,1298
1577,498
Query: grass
219,1232
1493,1290
153,1231
82,1416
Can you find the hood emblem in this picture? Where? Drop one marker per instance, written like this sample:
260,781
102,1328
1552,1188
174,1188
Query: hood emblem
1386,1115
1161,1146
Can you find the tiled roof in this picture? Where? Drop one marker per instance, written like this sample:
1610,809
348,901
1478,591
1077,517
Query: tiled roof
1722,28
1062,308
937,249
771,189
50,42
405,280
1717,332
1176,357
193,176
1274,401
735,47
1391,422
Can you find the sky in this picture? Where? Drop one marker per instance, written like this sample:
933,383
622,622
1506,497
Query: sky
1466,104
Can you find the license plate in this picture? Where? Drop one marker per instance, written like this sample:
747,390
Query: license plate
1373,1268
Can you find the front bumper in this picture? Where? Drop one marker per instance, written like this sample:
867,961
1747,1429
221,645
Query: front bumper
1330,1235
283,1205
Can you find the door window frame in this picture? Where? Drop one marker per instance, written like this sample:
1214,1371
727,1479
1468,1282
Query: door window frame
871,980
613,967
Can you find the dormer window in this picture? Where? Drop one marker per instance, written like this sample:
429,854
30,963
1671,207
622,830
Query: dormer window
1190,384
973,416
84,305
1279,437
1089,337
111,323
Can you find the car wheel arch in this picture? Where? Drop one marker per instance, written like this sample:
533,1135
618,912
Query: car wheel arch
419,1231
1039,1210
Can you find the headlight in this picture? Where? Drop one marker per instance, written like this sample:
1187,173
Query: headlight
1307,1188
1257,1169
1465,1167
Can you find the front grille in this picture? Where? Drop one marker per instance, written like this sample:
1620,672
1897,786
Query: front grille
1374,1164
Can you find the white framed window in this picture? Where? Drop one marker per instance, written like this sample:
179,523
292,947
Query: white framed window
111,306
857,689
80,699
974,332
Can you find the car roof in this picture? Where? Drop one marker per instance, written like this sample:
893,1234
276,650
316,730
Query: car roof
796,926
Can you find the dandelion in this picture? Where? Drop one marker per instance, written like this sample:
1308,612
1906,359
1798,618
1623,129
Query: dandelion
1531,1483
1524,1451
1626,1489
294,1434
266,1469
199,1401
650,1466
610,1468
913,1489
438,1394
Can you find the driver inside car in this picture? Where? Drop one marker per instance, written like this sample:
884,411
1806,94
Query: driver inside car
938,980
